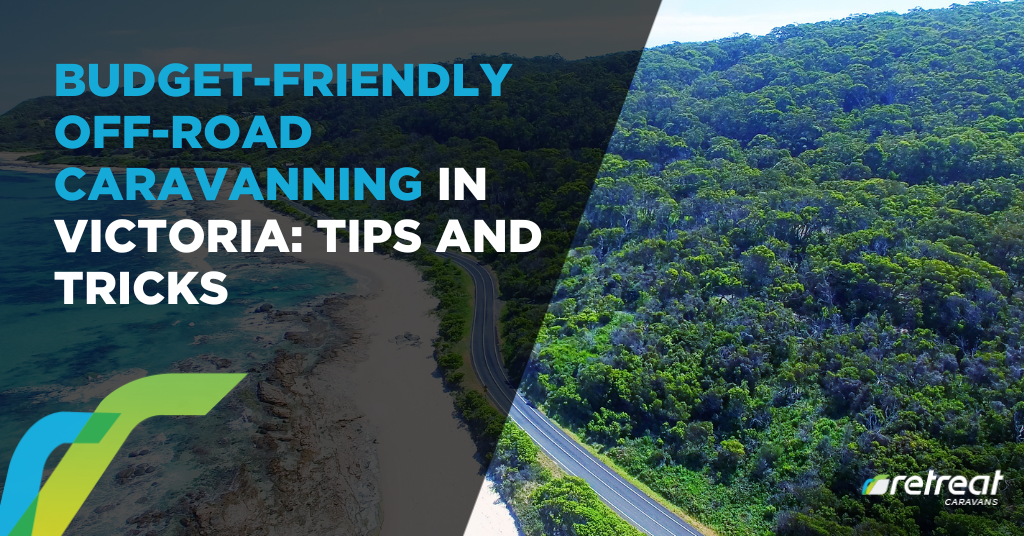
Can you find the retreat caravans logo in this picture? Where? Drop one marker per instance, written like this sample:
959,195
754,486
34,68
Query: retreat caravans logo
981,488
95,438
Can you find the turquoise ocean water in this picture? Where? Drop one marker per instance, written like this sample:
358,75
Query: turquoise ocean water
47,343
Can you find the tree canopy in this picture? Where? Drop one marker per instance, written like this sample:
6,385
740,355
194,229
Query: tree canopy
801,266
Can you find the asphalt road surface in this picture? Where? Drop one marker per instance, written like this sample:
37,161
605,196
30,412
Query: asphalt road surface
624,498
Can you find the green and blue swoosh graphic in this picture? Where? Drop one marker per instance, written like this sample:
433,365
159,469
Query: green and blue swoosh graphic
95,438
878,485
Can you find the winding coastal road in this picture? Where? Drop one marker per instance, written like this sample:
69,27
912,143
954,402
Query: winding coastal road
624,498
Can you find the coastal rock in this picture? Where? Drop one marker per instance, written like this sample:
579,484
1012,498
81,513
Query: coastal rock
309,465
287,367
271,395
280,412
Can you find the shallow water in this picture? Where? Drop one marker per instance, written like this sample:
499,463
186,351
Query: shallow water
49,346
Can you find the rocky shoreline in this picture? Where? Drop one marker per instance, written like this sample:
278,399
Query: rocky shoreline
313,446
299,458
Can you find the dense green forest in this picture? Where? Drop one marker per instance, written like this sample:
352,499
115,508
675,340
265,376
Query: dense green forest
802,266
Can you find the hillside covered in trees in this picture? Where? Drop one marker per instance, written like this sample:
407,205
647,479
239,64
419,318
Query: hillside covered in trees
802,266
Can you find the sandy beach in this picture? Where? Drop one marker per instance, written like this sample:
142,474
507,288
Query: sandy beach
429,476
491,516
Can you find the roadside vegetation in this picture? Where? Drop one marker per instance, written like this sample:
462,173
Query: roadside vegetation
452,287
546,504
